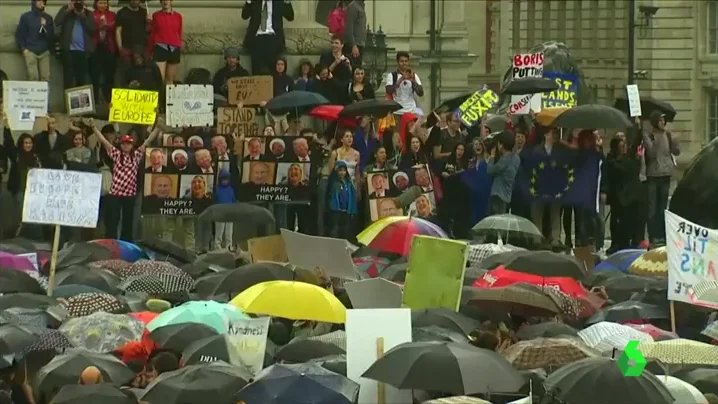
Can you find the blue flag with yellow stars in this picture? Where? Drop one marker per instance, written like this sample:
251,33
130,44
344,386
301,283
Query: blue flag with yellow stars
566,176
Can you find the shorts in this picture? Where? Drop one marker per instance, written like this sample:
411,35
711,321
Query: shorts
162,54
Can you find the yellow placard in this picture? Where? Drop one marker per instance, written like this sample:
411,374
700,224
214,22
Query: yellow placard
134,106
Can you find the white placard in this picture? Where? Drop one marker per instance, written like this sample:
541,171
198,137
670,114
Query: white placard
310,252
634,100
23,101
190,105
249,338
61,197
363,330
526,65
692,256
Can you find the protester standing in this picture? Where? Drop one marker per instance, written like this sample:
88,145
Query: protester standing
343,205
502,167
403,85
224,194
339,65
660,152
360,88
22,159
121,200
35,35
355,31
131,32
165,40
77,28
231,69
365,140
548,147
103,59
305,73
620,187
264,38
50,145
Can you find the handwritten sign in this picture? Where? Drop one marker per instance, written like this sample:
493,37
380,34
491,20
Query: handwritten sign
526,65
692,256
190,105
134,106
634,100
250,90
242,120
249,340
567,93
60,197
23,101
473,109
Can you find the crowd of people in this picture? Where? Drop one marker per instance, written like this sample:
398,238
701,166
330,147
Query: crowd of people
435,142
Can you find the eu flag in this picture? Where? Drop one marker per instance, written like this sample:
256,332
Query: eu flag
566,176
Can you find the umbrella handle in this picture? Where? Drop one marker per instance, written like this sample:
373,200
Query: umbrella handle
381,387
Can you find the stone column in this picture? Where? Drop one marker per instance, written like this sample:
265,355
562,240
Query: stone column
454,34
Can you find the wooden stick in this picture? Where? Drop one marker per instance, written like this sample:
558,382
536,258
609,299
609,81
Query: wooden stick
673,316
53,260
380,387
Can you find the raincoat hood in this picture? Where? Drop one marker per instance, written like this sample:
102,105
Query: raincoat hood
340,164
224,174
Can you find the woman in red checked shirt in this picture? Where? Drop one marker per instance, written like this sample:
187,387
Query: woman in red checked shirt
102,60
165,40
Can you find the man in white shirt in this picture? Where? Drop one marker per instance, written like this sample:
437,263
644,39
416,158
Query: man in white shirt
403,85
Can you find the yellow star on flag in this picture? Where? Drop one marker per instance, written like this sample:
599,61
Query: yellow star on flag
541,165
558,195
532,191
566,189
533,180
553,163
570,179
570,171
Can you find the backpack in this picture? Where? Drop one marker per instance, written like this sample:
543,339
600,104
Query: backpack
335,20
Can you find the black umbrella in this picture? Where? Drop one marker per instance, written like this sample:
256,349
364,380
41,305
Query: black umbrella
66,369
217,348
179,336
530,85
237,280
542,263
14,281
395,272
545,330
92,394
378,107
593,116
648,105
436,333
26,301
100,279
65,291
459,369
302,350
705,380
335,363
453,102
444,318
622,287
167,251
629,310
78,254
303,383
215,382
14,339
296,100
600,381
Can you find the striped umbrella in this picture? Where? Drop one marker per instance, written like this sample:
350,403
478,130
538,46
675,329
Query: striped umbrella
394,233
651,263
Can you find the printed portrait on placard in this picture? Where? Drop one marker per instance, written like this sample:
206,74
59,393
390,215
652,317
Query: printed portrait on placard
196,186
293,174
156,160
378,185
203,161
258,172
160,186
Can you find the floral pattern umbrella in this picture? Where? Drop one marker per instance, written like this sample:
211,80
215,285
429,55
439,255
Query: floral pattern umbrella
103,332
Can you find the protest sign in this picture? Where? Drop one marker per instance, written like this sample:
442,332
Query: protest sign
374,293
275,169
23,101
250,90
269,248
692,256
566,96
178,181
369,334
239,121
435,274
634,100
330,254
134,106
249,339
80,100
473,109
190,105
60,197
526,65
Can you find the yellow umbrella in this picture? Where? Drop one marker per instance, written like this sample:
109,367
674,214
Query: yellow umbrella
548,115
292,300
651,263
371,231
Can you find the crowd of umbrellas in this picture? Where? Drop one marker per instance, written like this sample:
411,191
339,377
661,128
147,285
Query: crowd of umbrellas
114,299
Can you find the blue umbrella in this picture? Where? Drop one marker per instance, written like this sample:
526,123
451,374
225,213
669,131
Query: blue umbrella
620,260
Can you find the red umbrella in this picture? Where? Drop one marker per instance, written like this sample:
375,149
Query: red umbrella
331,113
139,349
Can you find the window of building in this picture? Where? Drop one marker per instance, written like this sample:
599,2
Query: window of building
713,26
712,115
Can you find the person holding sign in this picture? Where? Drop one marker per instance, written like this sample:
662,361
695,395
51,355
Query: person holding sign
166,40
126,164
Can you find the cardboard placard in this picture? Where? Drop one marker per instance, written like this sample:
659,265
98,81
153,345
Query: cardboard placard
243,121
190,105
270,248
134,106
250,90
330,254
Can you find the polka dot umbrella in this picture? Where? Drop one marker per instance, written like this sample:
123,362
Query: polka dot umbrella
148,267
157,284
114,266
85,304
49,340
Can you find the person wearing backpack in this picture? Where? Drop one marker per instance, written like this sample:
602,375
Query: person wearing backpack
355,31
403,85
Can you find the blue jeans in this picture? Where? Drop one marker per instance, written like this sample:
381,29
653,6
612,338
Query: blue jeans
658,189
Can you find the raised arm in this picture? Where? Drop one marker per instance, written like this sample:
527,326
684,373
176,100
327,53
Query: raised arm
151,138
105,143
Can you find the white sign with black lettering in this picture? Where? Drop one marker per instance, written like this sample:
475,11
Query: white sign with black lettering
23,101
61,197
249,340
190,105
634,100
526,65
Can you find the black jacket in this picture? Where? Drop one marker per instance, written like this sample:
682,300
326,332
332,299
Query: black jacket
252,11
66,19
219,82
20,163
51,157
621,180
